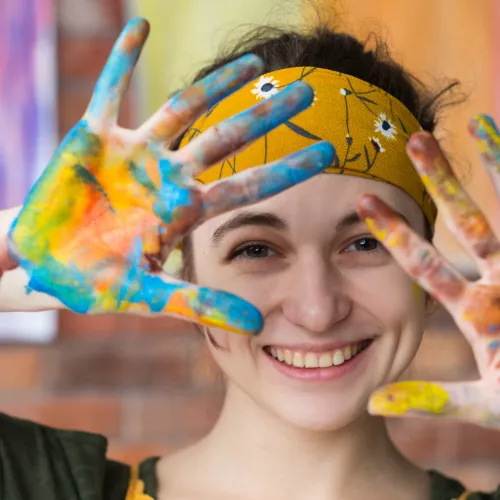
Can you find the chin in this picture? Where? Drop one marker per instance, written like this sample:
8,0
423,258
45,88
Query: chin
325,399
322,398
319,414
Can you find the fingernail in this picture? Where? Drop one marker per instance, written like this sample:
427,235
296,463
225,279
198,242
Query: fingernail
302,89
422,144
227,311
251,60
322,155
371,208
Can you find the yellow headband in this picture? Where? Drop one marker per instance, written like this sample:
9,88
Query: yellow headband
368,127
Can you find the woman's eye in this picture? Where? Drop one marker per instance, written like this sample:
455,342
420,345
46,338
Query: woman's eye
364,245
254,251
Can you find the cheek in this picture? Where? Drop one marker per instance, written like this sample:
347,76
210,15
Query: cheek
403,312
232,353
218,339
394,298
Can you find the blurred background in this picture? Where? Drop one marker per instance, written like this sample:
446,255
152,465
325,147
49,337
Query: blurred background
148,384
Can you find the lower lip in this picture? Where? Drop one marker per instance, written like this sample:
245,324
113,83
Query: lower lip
319,374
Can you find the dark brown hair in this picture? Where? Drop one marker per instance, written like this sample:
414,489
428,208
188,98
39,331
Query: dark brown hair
326,48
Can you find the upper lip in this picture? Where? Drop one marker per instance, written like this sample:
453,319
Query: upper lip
307,347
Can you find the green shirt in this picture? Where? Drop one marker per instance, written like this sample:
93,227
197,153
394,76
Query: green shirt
38,462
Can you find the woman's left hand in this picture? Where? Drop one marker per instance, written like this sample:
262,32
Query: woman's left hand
475,306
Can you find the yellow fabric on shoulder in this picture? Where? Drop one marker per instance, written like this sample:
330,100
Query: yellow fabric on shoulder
136,486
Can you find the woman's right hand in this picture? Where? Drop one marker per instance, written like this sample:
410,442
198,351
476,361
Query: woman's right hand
112,203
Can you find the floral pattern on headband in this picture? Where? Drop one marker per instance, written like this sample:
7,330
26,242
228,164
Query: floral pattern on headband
368,127
266,87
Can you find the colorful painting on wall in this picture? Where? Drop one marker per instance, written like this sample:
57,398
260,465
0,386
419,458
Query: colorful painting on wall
28,123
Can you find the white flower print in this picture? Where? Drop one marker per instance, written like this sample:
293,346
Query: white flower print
265,87
376,144
385,127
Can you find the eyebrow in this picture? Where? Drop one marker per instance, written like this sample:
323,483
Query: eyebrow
352,219
249,218
268,219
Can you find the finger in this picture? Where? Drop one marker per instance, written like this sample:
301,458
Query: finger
416,256
159,294
115,77
485,131
231,135
460,213
468,401
256,184
171,121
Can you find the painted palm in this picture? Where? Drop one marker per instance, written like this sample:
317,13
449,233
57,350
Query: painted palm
475,306
112,203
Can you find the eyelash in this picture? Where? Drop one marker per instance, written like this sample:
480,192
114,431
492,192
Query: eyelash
367,238
239,251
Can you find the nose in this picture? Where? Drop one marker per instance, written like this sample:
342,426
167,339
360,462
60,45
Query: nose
312,294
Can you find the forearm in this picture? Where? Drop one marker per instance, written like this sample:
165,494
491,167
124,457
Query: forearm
13,295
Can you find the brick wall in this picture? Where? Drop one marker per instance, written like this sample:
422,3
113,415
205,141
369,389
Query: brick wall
148,384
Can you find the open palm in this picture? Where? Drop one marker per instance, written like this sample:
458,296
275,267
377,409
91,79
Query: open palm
475,306
112,203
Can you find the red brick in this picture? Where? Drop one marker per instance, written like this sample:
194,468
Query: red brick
19,367
163,324
91,18
133,453
73,101
77,326
83,57
72,105
119,365
184,417
425,440
205,371
87,413
127,113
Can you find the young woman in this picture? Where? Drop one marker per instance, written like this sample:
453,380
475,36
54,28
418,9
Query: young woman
339,314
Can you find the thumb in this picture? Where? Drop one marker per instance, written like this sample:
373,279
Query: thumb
473,402
159,293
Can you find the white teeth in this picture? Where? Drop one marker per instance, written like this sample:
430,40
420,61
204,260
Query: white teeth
311,360
347,352
314,360
338,358
326,360
298,360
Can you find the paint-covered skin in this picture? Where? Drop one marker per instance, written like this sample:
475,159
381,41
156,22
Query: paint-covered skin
96,227
475,306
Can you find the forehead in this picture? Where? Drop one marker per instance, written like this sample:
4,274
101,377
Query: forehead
321,201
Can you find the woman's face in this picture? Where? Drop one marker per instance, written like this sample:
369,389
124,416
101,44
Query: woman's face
342,317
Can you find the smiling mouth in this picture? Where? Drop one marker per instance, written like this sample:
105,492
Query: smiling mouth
326,359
